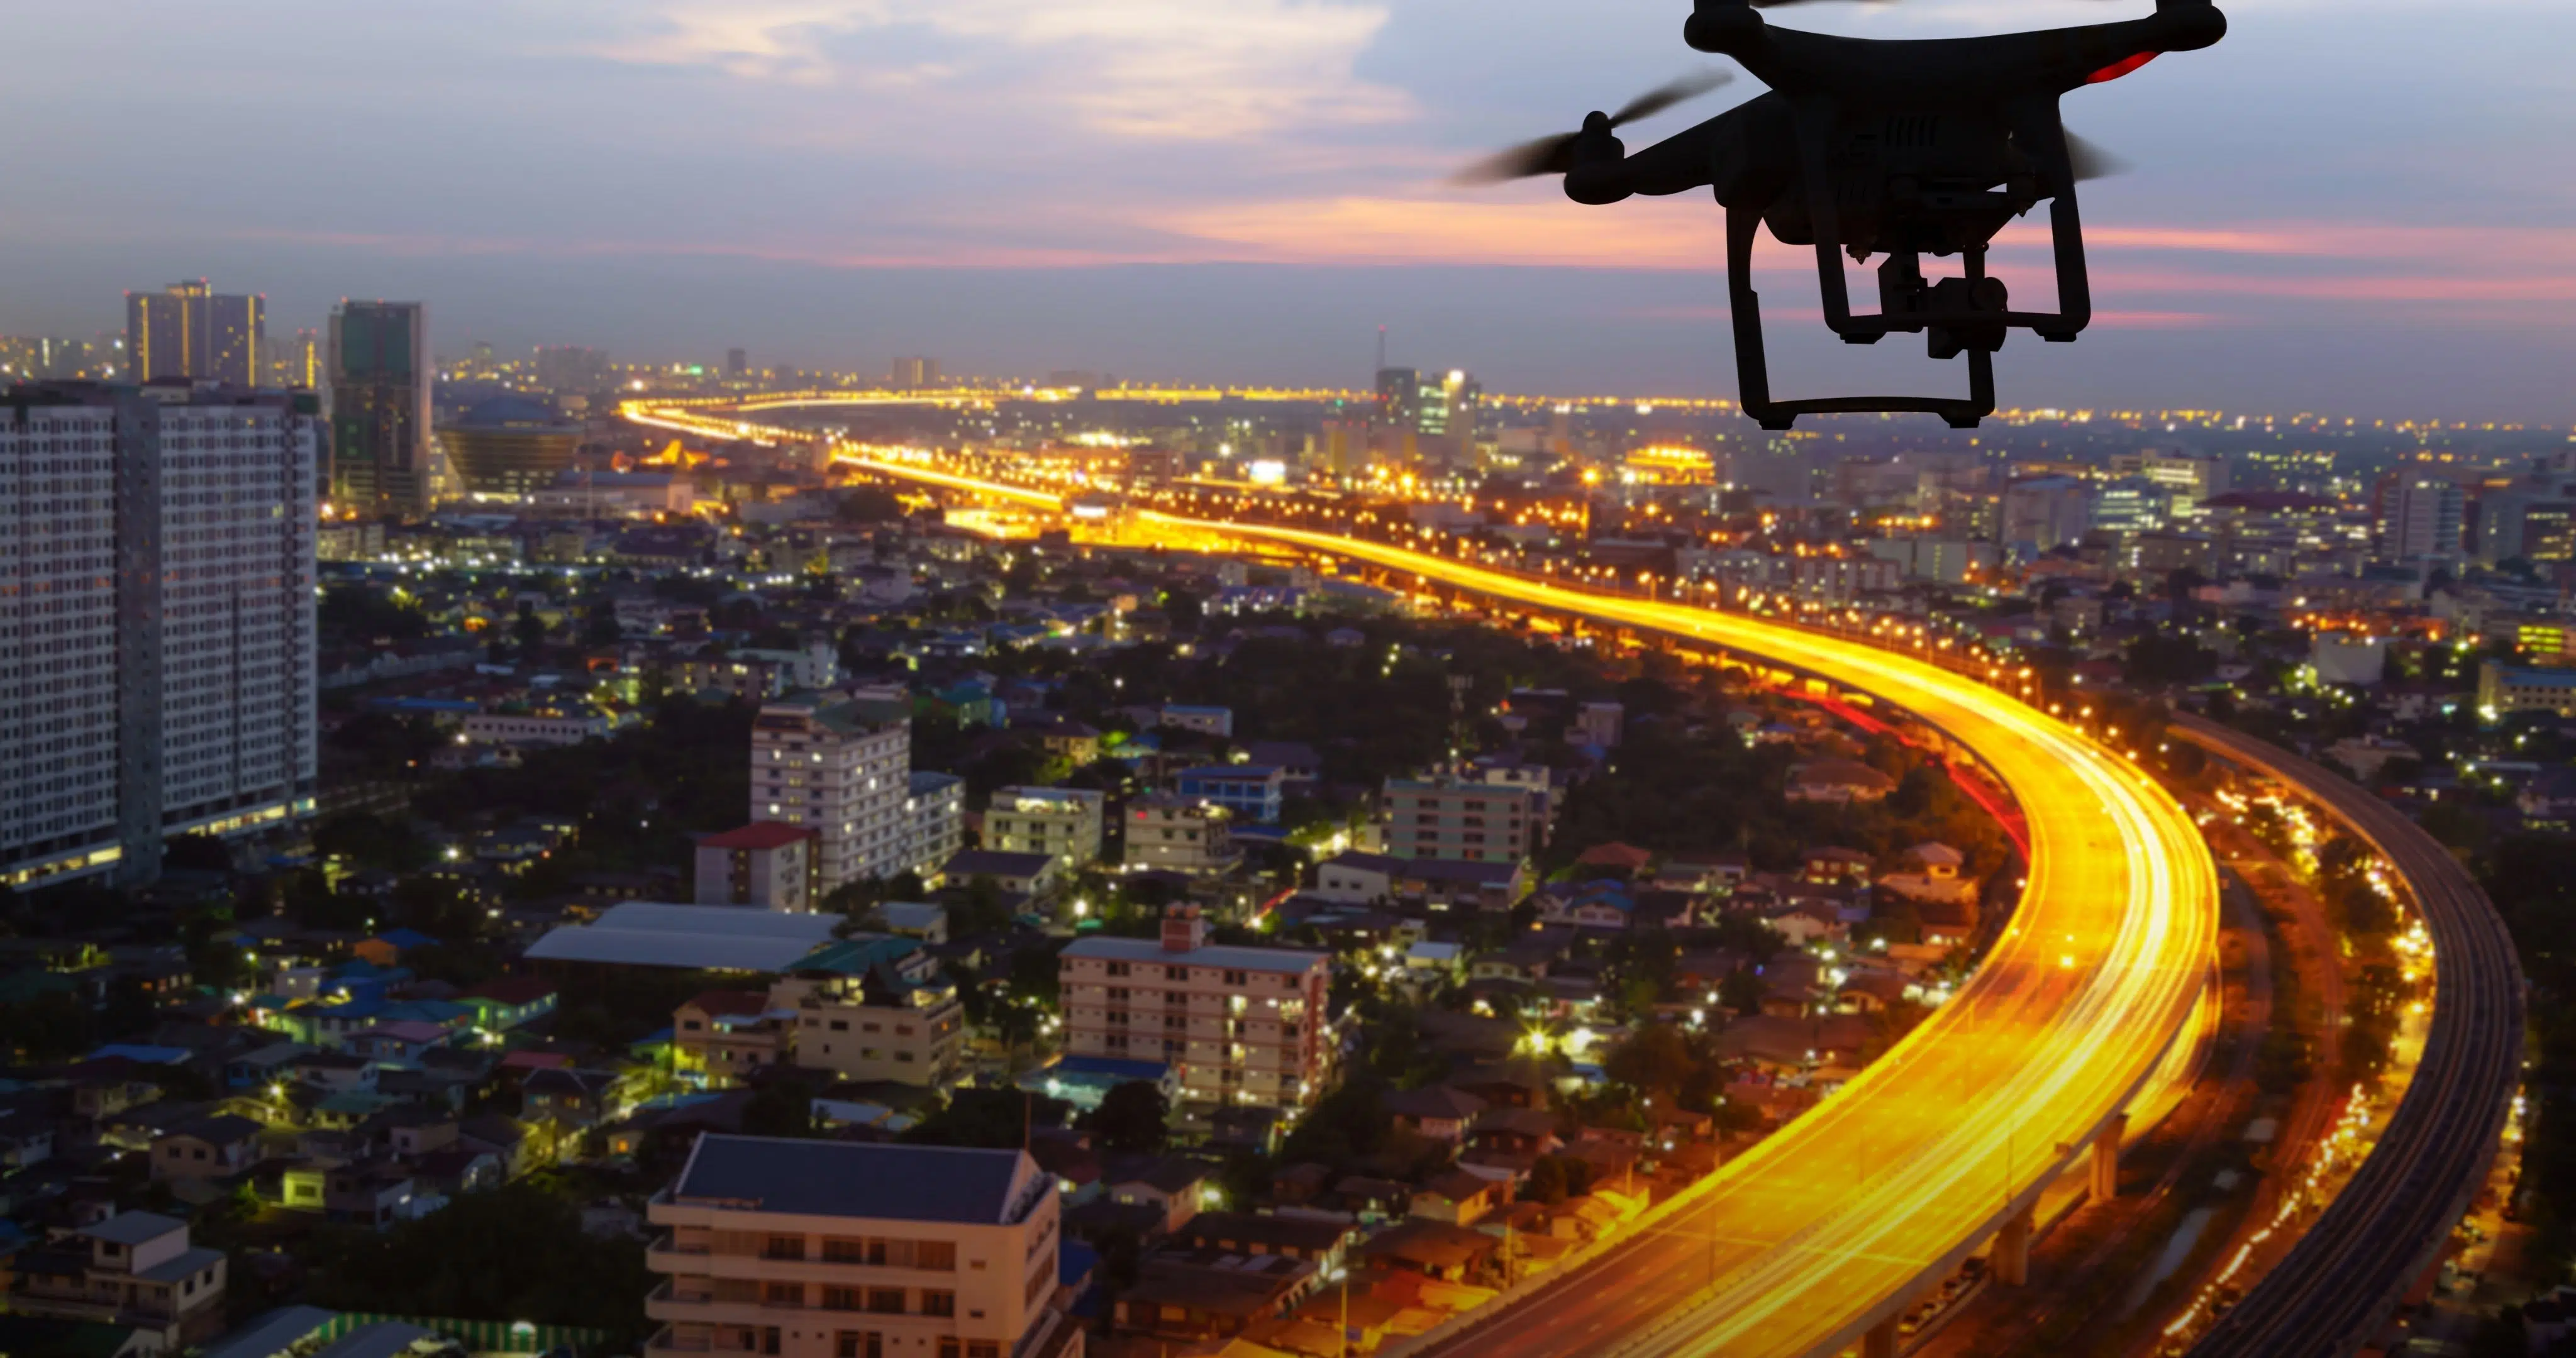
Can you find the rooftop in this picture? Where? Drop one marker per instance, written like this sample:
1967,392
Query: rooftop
714,937
854,1179
760,834
1151,950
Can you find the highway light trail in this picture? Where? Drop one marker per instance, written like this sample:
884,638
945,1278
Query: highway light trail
1836,1222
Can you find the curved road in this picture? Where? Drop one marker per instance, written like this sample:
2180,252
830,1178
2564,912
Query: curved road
1825,1229
2340,1284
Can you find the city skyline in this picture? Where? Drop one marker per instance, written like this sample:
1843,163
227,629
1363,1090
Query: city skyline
1247,191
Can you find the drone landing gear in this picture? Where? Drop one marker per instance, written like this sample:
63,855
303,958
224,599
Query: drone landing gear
1901,278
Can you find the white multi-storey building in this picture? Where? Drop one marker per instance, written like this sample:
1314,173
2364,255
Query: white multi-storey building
157,671
1242,1025
936,804
843,770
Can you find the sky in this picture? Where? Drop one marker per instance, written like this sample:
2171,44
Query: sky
2363,207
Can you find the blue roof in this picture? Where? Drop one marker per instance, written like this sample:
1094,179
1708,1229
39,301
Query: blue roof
1241,771
1074,1261
141,1054
408,939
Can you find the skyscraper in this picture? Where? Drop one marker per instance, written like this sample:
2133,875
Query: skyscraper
161,592
915,374
188,330
2419,518
297,361
380,371
737,364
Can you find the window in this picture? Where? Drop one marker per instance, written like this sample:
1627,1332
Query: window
938,1256
858,1344
840,1298
784,1247
1237,978
782,1294
1117,968
886,1301
939,1303
842,1251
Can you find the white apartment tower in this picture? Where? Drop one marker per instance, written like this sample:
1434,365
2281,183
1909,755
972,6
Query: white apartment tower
156,597
842,769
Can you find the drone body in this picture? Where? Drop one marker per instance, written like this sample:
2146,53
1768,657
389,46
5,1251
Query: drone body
1895,148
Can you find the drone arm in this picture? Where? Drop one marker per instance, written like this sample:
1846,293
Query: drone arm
2041,130
1677,164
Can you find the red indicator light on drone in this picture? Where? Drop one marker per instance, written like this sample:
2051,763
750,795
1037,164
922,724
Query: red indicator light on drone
2119,68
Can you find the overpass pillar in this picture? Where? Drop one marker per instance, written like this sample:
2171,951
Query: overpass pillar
1880,1342
2106,1158
2012,1250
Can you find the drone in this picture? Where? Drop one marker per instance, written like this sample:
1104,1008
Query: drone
1875,147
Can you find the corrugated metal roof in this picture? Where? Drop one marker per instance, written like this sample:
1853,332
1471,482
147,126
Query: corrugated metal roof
714,937
853,1179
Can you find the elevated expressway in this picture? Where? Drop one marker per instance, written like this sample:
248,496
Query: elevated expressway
2341,1282
1818,1237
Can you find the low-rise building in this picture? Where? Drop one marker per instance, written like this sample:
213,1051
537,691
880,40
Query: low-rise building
728,1033
1021,874
768,864
1065,822
837,1249
135,1270
1253,792
1466,821
1180,834
878,1025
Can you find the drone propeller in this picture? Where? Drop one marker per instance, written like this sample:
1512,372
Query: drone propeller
2090,161
1555,155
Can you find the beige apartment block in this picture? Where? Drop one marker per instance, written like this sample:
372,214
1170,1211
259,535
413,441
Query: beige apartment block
836,1249
1244,1025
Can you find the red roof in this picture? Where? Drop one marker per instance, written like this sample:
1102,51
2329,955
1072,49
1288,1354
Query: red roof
1614,855
760,834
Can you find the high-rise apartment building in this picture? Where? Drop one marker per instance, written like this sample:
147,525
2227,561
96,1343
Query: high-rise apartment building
843,770
158,677
380,374
1463,821
1431,416
2419,518
188,330
846,1249
1065,822
915,373
737,364
1242,1025
298,361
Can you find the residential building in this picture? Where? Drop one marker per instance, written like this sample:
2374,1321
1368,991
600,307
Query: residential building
1243,1025
1253,792
936,806
2045,512
1180,834
1019,874
1064,822
381,371
536,728
915,373
726,1034
187,330
1207,721
769,864
843,1249
1467,821
2502,690
158,595
136,1270
879,1024
843,770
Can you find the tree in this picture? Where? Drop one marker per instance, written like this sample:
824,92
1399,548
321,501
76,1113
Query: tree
529,631
1185,610
783,1107
197,853
1133,1118
517,1252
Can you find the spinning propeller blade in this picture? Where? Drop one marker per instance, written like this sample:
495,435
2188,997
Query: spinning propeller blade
2091,161
1555,155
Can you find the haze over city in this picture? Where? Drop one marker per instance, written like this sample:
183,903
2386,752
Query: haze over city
2351,207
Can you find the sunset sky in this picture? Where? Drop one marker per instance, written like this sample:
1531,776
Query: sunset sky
2353,205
